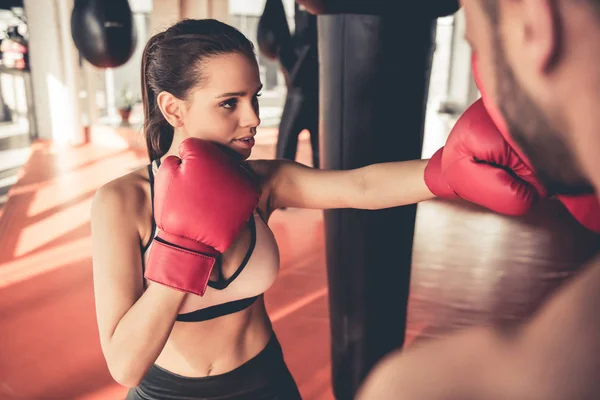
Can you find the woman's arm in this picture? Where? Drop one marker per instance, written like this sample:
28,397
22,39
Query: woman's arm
133,325
372,187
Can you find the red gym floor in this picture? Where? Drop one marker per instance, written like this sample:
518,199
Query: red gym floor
49,346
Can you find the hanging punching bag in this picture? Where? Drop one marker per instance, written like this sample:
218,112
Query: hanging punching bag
103,31
273,31
365,89
433,8
474,267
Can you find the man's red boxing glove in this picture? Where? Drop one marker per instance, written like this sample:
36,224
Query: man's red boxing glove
202,201
585,209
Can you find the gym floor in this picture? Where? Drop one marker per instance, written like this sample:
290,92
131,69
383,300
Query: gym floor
50,347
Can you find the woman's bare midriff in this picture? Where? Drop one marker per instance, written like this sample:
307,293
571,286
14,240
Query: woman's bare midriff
214,347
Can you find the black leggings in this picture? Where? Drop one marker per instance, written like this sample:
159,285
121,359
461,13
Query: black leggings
264,377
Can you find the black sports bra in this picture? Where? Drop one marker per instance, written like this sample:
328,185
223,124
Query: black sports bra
221,283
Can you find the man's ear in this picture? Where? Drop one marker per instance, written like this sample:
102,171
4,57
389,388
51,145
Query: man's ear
540,31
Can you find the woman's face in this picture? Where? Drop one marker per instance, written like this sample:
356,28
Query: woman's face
225,109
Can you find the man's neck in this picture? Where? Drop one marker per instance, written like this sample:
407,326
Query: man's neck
584,126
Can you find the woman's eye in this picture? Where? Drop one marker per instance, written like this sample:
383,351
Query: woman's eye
229,104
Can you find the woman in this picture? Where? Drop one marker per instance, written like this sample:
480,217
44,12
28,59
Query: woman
201,80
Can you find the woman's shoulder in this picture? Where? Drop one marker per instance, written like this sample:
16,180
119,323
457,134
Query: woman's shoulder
124,195
263,169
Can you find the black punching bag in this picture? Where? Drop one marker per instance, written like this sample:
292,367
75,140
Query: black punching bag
103,31
475,267
374,73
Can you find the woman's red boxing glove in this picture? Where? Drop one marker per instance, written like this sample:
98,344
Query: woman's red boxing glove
480,166
202,201
584,208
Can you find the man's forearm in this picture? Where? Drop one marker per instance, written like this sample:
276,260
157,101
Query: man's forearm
554,356
561,344
448,368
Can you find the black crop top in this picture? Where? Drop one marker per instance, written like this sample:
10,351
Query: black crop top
221,283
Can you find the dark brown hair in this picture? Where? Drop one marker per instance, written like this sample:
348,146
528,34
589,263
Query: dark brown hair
172,62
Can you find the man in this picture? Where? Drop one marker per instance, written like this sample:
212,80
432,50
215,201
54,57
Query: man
300,61
539,62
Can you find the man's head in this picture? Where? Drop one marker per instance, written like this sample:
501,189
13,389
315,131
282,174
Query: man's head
539,61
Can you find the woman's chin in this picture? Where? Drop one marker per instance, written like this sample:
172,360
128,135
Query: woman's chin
242,148
244,155
240,154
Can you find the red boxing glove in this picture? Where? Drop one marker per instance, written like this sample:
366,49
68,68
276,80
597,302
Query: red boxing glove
584,208
202,201
434,179
481,167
